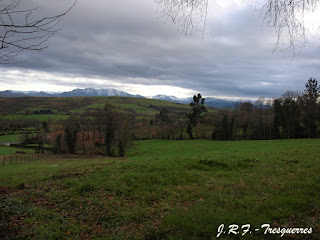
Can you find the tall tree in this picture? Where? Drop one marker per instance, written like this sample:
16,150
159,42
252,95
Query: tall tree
71,130
245,116
291,113
259,105
110,133
308,100
276,119
225,127
196,114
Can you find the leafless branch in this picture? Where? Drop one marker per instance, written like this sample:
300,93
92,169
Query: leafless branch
189,15
19,30
287,17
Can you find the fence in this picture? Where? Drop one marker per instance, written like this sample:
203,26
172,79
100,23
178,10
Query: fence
18,158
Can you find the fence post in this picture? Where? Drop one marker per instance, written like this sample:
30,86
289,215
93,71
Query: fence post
4,160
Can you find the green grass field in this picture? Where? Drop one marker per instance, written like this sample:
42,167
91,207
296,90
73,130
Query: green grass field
91,106
33,109
10,138
4,150
41,117
166,190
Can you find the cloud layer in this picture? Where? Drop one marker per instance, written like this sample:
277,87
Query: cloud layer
125,45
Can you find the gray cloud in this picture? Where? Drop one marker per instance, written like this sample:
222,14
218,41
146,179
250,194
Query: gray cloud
126,41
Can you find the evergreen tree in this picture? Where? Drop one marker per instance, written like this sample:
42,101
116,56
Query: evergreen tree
308,101
196,114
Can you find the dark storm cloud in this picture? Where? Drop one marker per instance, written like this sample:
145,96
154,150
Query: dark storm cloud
126,41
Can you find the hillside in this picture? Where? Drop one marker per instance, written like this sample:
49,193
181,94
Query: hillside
141,106
91,92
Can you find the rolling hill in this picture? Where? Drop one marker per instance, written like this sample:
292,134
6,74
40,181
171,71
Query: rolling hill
67,105
91,92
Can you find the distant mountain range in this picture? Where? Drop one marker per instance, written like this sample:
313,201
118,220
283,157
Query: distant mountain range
91,92
210,101
87,92
8,94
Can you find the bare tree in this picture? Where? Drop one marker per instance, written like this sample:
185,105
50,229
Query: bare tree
259,106
189,15
291,95
287,17
21,30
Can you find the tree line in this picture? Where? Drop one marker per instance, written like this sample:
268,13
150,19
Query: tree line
109,131
104,131
293,115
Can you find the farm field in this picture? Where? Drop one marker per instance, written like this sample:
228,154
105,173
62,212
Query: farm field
165,190
4,150
44,117
10,138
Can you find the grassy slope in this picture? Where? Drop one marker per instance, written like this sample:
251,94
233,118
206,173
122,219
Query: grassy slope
11,106
169,190
15,105
10,138
4,150
41,117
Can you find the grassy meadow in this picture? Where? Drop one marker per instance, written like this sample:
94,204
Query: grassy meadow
12,107
165,190
42,117
10,138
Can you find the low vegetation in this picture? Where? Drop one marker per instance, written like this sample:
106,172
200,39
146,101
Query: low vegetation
165,190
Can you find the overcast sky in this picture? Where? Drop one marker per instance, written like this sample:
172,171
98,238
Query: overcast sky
126,45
